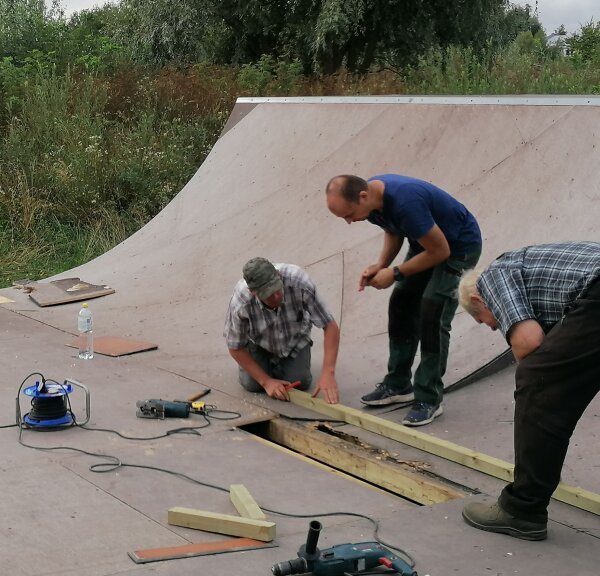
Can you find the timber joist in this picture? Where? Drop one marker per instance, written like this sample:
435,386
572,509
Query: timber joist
573,495
410,480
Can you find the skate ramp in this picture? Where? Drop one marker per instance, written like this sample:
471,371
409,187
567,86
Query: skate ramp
527,168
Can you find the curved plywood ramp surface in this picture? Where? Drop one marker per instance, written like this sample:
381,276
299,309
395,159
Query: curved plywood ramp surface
528,169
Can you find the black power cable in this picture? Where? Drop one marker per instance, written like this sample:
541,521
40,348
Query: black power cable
49,408
112,463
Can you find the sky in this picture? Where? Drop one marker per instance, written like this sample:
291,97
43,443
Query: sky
552,13
70,6
571,13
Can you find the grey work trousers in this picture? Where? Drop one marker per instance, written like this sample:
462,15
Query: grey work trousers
289,369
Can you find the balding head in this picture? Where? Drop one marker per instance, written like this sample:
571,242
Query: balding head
348,197
347,186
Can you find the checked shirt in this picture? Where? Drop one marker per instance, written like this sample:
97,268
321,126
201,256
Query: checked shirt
282,331
538,282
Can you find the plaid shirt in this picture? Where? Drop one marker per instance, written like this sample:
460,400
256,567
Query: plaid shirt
282,331
538,282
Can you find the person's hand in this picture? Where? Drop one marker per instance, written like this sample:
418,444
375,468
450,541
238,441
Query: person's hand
383,279
367,275
328,386
277,389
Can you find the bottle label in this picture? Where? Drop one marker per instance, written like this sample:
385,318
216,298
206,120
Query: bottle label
84,324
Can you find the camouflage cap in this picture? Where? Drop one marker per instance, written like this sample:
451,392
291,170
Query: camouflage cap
262,277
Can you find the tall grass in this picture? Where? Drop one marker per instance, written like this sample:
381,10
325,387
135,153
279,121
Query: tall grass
52,248
511,71
86,159
79,160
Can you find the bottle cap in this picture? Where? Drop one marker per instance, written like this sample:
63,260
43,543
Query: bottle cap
85,305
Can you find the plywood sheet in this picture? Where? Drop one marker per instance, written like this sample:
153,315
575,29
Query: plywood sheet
508,164
117,346
65,290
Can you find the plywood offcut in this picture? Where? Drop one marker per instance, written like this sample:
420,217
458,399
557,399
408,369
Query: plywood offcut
201,549
117,346
65,290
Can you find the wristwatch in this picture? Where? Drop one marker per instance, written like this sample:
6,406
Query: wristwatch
398,276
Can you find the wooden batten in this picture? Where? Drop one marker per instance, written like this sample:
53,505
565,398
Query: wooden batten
244,503
222,523
573,495
401,479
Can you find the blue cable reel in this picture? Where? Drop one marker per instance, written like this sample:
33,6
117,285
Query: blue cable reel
51,405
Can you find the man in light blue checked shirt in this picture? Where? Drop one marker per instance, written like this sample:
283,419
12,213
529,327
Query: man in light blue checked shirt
546,302
268,331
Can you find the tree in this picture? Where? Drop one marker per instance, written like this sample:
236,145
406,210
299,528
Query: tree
26,25
324,35
162,31
585,45
513,21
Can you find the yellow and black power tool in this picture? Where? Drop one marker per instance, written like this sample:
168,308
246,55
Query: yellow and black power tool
161,409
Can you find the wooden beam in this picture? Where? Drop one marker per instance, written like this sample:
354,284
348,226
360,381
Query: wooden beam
244,503
222,523
399,478
405,435
578,497
573,495
313,462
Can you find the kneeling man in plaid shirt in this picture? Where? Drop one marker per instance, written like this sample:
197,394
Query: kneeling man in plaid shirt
268,331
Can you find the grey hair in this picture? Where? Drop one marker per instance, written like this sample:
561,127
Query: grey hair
467,287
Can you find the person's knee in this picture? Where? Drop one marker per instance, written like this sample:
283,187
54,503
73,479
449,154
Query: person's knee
249,383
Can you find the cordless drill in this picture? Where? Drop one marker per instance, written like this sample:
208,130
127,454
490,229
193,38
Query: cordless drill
340,559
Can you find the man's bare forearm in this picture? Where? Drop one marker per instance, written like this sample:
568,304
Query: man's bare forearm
331,344
249,364
390,249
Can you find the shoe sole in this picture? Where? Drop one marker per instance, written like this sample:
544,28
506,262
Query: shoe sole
437,413
514,532
397,399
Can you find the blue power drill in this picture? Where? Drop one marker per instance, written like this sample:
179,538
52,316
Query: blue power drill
340,559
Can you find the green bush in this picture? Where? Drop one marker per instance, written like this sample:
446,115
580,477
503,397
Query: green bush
92,145
524,67
270,76
79,161
585,44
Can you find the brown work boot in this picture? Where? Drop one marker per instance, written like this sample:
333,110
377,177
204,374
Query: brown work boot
494,519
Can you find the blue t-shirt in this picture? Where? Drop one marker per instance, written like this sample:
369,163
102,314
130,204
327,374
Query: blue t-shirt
411,207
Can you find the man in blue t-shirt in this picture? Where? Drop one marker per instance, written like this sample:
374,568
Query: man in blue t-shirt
444,240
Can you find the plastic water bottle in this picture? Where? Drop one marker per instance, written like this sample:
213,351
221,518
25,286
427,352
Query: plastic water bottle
86,335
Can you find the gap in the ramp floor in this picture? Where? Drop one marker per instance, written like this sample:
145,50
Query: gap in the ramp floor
410,481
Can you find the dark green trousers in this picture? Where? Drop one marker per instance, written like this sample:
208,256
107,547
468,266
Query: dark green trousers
421,310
